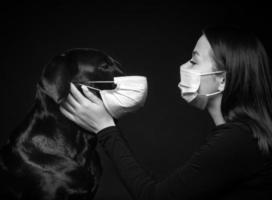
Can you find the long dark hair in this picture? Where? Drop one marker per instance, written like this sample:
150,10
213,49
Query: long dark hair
248,91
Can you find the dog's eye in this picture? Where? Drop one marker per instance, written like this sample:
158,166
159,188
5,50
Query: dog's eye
104,66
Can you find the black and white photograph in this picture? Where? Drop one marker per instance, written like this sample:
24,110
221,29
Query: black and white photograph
123,100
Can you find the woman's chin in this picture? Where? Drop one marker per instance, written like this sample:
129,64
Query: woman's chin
199,102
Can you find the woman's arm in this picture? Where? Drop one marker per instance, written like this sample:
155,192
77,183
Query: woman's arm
136,180
227,158
216,169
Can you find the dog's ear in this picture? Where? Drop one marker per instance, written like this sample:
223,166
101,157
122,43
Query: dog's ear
56,77
73,66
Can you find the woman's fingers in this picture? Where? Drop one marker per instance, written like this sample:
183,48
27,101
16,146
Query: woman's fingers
71,100
67,106
92,97
76,94
86,110
66,113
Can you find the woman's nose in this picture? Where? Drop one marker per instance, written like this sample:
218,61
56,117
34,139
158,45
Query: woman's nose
185,65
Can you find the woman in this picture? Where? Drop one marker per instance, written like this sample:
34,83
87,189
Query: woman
229,76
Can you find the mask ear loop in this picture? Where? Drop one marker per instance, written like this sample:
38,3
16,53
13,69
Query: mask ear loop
90,87
94,88
211,94
211,73
214,93
103,82
100,82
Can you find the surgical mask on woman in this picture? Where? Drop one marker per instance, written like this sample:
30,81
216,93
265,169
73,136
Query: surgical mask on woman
190,81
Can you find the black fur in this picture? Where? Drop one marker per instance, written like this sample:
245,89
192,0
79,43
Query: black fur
48,157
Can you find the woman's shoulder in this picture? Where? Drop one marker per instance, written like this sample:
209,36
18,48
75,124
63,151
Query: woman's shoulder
237,135
233,128
233,136
233,141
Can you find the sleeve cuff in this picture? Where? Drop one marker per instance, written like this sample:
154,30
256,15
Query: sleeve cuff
107,130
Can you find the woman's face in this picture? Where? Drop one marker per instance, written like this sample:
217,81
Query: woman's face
203,62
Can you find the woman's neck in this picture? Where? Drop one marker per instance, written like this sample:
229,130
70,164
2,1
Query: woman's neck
214,108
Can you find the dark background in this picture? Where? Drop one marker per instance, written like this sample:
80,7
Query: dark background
150,39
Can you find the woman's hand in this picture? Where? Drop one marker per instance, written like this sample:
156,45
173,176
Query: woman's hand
89,113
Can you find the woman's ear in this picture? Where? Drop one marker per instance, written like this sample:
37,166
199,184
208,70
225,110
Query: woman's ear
222,81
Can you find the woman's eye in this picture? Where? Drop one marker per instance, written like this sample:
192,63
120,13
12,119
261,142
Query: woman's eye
192,62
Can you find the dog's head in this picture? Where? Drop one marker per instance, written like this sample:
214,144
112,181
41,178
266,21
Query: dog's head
75,65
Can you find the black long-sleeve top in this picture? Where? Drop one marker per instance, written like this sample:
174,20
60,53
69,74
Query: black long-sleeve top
229,166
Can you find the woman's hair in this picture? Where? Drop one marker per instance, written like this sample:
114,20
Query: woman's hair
248,95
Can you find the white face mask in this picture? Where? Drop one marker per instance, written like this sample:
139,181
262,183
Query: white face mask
129,94
190,82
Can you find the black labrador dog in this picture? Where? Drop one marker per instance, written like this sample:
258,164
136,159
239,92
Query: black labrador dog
49,157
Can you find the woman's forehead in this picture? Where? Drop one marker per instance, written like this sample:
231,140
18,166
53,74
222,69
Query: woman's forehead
202,48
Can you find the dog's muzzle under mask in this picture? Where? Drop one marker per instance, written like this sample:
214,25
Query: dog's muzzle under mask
129,94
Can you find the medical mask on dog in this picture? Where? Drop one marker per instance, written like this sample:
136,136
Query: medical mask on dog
190,80
129,94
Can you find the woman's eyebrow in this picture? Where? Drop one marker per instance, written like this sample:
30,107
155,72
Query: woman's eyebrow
195,53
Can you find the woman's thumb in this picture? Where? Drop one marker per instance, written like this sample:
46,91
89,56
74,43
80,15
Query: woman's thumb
91,96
